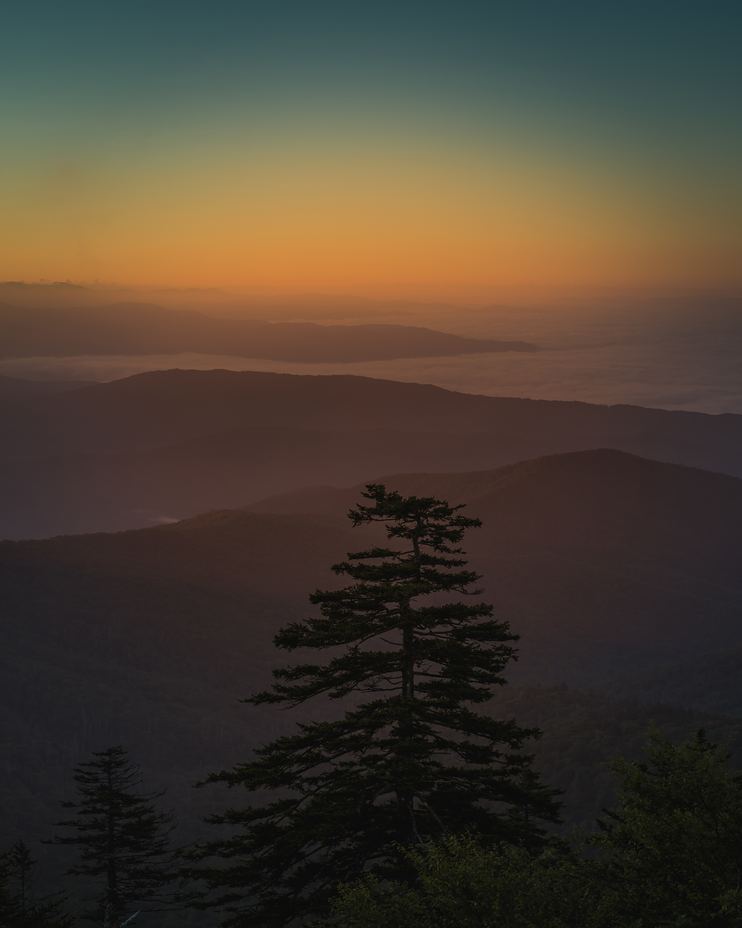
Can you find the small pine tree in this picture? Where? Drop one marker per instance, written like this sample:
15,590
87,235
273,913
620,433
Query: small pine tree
123,840
8,903
20,866
412,759
19,907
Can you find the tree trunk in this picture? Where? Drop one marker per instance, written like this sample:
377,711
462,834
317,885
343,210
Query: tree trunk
406,797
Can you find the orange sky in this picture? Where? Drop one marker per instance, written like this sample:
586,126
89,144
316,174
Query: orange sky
380,217
484,155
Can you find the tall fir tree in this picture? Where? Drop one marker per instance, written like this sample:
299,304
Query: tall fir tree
412,758
122,838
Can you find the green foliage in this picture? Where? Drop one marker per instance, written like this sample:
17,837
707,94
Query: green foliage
122,839
672,850
670,856
463,884
412,759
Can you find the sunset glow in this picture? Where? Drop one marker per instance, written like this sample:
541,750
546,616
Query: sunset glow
341,153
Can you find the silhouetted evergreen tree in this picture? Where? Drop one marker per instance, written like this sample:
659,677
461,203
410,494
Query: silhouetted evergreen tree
8,902
123,840
412,758
669,856
20,865
19,907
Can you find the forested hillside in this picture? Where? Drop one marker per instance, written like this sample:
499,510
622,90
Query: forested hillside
606,564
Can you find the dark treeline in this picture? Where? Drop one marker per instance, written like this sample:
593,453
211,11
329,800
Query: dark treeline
418,805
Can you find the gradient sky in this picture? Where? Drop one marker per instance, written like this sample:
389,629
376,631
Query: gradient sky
458,149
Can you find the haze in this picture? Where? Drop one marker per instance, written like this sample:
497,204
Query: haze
260,261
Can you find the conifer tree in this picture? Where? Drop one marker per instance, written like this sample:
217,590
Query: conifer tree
122,838
20,865
8,902
412,758
19,906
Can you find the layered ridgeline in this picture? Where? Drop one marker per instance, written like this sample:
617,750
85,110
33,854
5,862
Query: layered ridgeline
145,329
167,445
606,564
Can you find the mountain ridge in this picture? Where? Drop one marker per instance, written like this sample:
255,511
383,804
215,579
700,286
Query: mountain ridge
146,328
149,637
172,444
294,500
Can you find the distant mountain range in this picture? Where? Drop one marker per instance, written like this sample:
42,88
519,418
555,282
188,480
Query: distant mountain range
167,445
145,329
609,566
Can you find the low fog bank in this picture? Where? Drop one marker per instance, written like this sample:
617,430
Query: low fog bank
678,352
674,373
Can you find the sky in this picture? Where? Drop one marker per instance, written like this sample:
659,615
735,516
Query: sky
448,150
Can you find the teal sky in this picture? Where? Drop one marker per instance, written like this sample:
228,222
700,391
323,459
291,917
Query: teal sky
672,65
646,93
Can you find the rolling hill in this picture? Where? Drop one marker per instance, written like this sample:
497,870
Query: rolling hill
607,565
168,445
